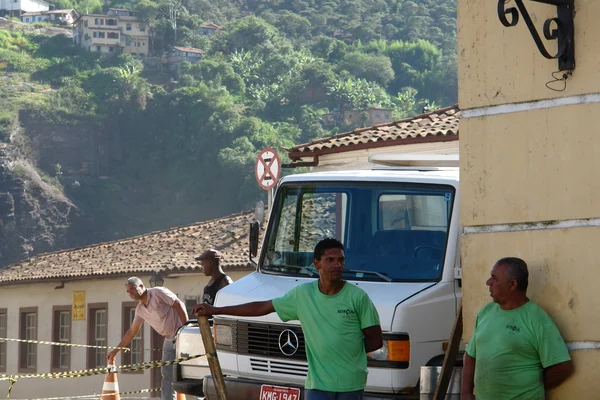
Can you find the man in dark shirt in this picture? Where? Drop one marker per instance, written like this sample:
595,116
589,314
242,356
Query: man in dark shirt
211,266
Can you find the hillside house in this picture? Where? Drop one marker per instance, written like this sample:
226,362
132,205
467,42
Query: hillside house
118,30
190,54
369,116
208,28
78,296
15,8
180,54
67,16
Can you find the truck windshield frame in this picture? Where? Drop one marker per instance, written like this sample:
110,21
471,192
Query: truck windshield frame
392,231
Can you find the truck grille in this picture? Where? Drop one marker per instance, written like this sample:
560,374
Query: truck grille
251,338
279,367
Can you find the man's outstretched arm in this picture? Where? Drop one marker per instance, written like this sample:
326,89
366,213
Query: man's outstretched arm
254,309
127,338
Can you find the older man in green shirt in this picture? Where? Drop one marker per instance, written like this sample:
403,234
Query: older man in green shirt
516,351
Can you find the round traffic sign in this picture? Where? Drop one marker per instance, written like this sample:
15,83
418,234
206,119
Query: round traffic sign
267,168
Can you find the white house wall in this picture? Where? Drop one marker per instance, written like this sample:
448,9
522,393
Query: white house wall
359,159
44,296
24,5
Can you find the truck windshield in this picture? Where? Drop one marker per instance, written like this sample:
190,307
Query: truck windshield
391,232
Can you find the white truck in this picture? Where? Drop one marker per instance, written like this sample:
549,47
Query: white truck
399,223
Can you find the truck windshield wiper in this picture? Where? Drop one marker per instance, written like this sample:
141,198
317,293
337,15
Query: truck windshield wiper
379,274
296,267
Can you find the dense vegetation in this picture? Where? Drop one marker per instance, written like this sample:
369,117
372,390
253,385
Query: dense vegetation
188,143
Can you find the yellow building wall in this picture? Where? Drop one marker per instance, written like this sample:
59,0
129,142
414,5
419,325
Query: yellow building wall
499,65
529,164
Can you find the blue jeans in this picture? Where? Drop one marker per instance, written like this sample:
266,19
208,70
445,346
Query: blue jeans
313,394
166,371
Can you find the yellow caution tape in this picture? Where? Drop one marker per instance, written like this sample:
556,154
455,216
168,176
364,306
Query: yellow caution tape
62,344
94,371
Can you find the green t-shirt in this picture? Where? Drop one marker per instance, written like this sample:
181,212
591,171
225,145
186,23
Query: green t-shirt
511,349
332,326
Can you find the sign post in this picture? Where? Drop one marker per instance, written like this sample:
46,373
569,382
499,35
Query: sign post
267,171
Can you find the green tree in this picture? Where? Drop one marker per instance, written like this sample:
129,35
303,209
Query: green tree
370,67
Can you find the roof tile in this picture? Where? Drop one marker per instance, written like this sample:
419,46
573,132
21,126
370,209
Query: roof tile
442,122
167,251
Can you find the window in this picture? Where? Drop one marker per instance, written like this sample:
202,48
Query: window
97,330
2,343
190,302
111,22
111,49
95,34
136,353
128,27
99,21
98,48
85,23
142,28
112,35
392,232
28,331
61,332
101,35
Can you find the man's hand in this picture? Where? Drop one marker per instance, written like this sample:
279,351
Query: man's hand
111,356
203,309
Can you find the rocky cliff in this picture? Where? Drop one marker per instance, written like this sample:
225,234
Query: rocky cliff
34,216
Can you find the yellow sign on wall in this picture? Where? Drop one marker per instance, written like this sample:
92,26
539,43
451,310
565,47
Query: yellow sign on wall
79,306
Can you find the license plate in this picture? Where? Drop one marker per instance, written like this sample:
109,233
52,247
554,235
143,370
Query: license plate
268,392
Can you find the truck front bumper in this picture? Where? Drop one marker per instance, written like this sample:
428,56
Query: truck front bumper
250,390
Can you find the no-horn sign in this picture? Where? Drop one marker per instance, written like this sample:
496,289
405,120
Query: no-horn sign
267,168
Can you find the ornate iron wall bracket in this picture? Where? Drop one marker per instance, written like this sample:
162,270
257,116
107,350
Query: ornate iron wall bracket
560,28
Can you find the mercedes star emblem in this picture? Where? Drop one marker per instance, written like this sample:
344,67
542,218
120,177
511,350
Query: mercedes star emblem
288,342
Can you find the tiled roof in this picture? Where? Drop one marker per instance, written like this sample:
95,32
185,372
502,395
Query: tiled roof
438,125
167,251
210,25
64,11
189,50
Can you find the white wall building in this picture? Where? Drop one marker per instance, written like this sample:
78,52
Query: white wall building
78,296
14,8
67,16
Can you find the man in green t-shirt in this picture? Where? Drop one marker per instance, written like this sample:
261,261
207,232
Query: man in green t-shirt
339,322
516,351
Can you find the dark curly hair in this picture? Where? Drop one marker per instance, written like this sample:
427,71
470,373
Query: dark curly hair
326,244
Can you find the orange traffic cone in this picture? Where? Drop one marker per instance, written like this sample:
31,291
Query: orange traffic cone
110,389
180,396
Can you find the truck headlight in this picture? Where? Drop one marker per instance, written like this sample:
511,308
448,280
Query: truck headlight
223,334
392,350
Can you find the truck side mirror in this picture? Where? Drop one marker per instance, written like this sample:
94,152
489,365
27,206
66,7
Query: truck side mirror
253,240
